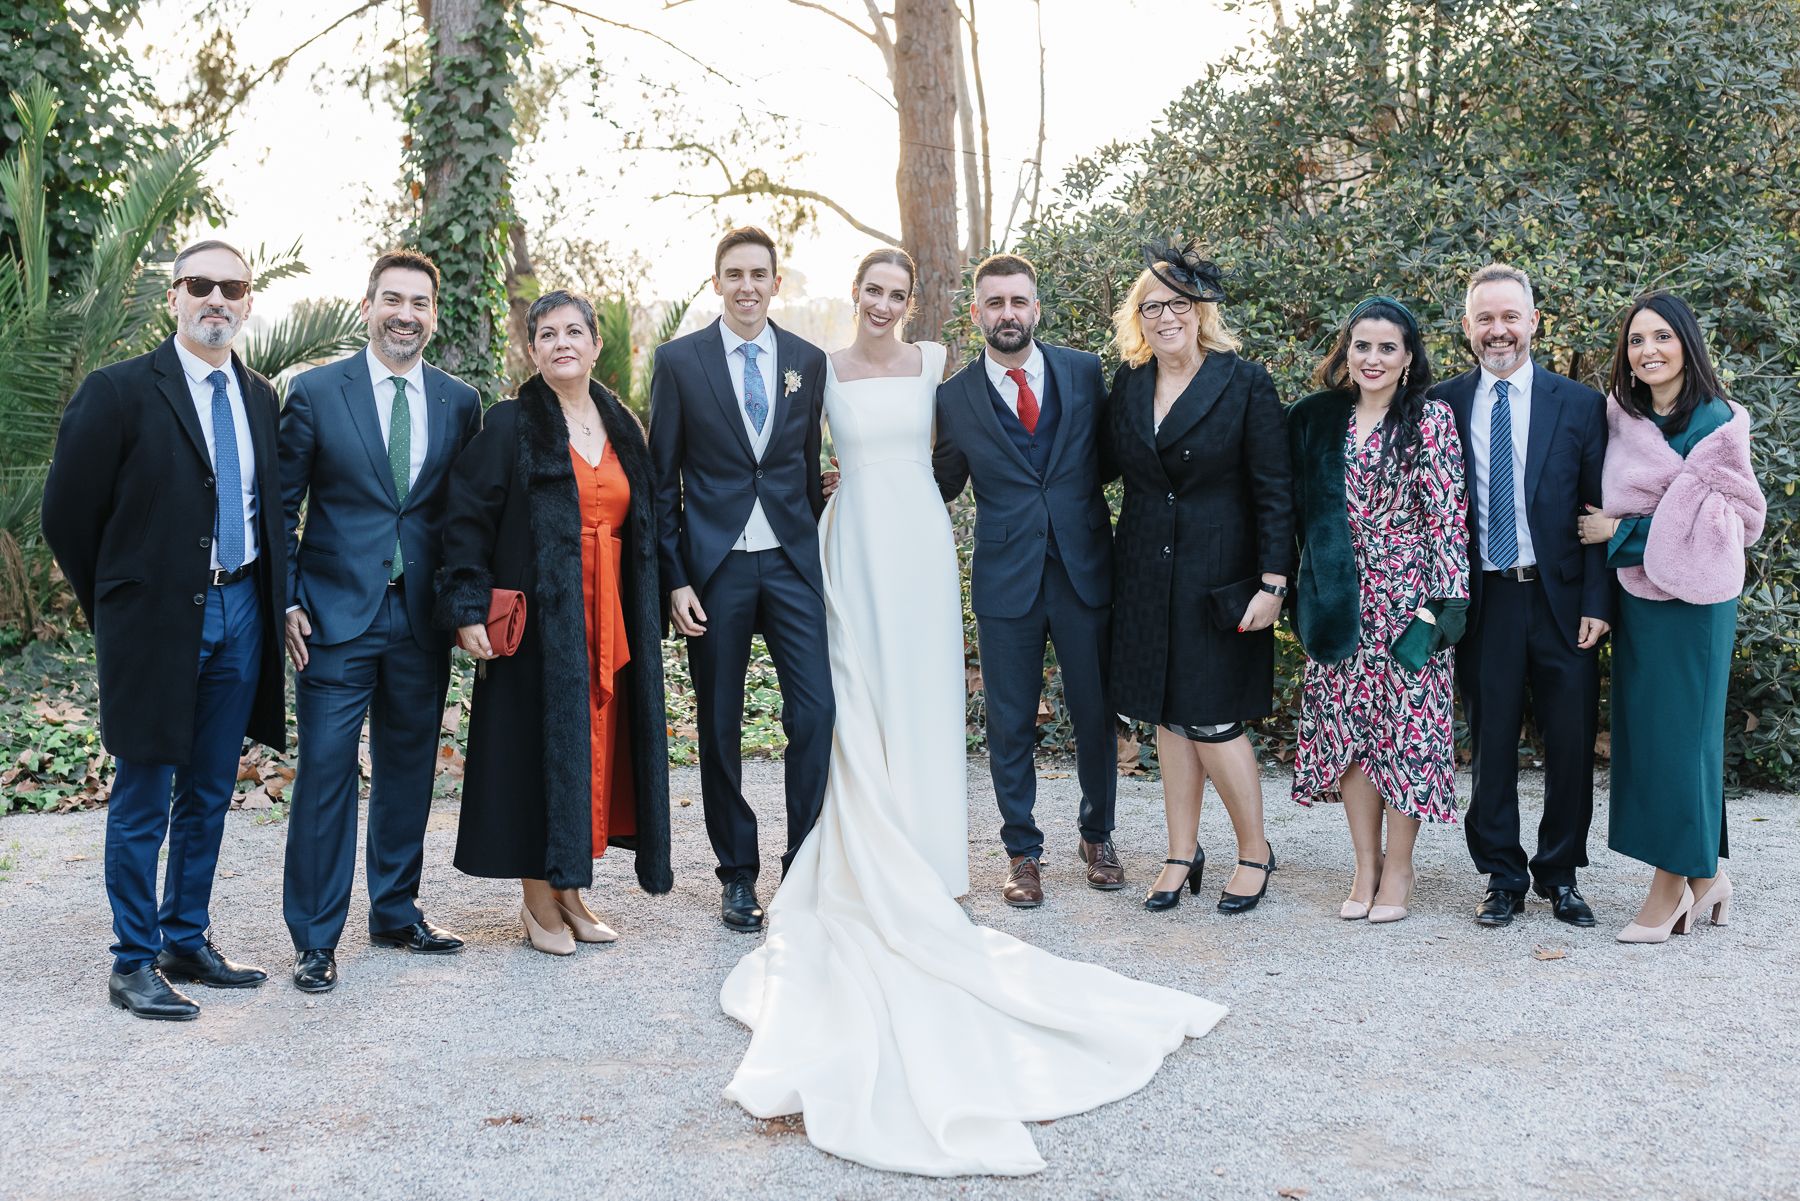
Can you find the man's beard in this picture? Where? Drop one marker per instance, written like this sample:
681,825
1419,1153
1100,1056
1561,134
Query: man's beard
1009,335
1498,358
214,336
398,345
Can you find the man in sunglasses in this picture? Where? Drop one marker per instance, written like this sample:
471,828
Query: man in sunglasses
366,446
163,508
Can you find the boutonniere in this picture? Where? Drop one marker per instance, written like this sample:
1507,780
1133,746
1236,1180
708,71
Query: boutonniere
790,382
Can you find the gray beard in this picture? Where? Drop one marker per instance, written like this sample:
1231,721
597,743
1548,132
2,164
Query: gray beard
215,336
396,351
1497,361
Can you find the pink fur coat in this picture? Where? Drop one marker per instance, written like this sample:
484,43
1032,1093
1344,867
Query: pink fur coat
1707,508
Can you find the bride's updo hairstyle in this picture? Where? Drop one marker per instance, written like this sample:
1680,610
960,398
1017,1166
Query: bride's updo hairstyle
894,256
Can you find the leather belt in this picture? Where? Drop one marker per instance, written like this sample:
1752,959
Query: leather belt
219,577
1523,575
395,582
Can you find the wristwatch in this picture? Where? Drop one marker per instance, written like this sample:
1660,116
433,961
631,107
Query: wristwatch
1275,589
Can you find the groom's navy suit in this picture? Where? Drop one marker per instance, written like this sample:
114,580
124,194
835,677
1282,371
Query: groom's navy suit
373,650
711,480
1042,567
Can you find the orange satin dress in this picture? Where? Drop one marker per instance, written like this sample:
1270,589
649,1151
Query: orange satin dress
605,500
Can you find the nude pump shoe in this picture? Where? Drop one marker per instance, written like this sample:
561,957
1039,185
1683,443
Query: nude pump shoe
1716,900
1660,933
585,930
550,942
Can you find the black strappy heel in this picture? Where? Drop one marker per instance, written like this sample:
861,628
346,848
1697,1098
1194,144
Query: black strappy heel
1231,902
1156,902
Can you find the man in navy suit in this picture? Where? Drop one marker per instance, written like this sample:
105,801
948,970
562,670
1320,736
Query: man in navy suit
734,439
366,447
1533,443
161,509
1022,420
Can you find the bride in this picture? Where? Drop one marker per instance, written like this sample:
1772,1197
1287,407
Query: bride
908,1037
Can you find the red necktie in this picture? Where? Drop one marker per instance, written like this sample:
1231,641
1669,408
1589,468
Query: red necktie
1028,405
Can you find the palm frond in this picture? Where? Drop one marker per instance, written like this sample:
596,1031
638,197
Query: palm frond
313,332
22,186
614,365
266,267
665,329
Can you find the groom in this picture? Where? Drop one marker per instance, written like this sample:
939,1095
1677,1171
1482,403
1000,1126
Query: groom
734,439
1022,419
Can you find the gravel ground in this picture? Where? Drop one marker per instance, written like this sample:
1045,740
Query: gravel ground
1425,1059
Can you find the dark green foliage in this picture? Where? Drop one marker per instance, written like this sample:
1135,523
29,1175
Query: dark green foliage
1606,146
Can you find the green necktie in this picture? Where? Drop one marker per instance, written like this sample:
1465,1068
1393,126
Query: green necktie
400,461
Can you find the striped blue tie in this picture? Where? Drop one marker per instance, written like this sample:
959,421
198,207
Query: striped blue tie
1503,524
229,514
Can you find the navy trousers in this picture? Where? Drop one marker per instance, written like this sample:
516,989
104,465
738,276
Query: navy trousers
760,592
1012,674
382,674
1515,644
186,805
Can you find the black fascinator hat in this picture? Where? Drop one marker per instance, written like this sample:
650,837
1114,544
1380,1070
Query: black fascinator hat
1183,271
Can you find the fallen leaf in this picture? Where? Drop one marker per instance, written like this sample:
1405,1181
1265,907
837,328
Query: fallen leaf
511,1119
256,798
686,801
452,718
76,859
1548,953
1293,1192
1054,775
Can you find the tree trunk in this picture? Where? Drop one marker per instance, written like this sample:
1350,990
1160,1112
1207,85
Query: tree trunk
522,288
925,50
971,162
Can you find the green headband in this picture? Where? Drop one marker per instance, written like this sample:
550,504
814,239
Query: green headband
1355,313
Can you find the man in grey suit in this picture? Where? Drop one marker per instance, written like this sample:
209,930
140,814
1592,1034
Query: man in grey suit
366,447
1023,420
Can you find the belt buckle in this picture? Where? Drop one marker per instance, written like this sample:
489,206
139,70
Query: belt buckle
218,577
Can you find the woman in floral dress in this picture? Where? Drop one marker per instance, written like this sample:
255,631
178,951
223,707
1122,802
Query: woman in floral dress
1380,596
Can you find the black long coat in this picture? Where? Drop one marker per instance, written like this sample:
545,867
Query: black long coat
513,520
1207,511
129,509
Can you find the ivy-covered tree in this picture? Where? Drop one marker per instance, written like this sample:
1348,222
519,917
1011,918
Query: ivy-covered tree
98,130
1607,147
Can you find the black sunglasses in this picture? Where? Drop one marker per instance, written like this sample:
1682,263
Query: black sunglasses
200,287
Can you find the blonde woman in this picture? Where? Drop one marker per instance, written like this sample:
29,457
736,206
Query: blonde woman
1201,558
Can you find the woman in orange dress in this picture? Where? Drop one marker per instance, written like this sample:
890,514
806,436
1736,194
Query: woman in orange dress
567,742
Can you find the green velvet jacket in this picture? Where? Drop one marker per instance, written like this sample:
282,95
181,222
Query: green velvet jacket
1326,595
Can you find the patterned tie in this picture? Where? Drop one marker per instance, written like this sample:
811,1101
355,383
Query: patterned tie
399,461
229,515
1503,526
756,397
1028,401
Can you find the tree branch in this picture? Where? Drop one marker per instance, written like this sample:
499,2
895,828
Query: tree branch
761,188
280,64
655,37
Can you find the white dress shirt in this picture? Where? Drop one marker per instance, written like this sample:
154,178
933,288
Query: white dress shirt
1003,384
758,533
383,380
1481,419
200,388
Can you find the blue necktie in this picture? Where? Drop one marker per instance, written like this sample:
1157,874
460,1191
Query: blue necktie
1503,525
756,397
229,515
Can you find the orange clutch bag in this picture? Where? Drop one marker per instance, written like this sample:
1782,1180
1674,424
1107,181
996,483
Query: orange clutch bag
506,620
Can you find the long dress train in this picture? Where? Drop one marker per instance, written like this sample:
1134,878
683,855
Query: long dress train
908,1037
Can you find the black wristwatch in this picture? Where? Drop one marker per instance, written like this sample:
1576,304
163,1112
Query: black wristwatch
1275,589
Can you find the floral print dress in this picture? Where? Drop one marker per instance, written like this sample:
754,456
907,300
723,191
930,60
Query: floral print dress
1409,531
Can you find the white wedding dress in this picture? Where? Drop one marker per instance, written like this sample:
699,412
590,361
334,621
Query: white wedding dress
908,1037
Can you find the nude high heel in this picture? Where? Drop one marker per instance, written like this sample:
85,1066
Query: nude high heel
550,942
1353,911
1381,914
1716,900
585,930
1660,933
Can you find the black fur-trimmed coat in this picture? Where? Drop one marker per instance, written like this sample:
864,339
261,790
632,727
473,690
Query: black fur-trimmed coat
513,520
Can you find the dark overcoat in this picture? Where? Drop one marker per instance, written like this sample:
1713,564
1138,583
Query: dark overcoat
129,511
513,520
1208,510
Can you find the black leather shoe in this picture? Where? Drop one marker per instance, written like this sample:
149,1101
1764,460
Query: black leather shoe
316,970
1157,901
739,907
147,993
1567,904
1238,902
1499,907
421,938
204,965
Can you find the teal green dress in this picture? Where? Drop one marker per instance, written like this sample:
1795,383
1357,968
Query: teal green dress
1671,662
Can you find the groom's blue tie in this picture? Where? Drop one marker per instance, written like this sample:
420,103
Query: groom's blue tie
229,513
756,397
1503,524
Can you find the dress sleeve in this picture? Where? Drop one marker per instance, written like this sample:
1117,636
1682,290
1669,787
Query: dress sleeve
1445,503
1626,548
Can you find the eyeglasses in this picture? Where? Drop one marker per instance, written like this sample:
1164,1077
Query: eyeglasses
1150,310
199,287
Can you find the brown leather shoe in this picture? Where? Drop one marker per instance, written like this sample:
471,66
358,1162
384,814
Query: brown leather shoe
1104,871
1023,889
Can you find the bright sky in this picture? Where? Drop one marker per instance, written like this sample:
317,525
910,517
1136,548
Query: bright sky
309,157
